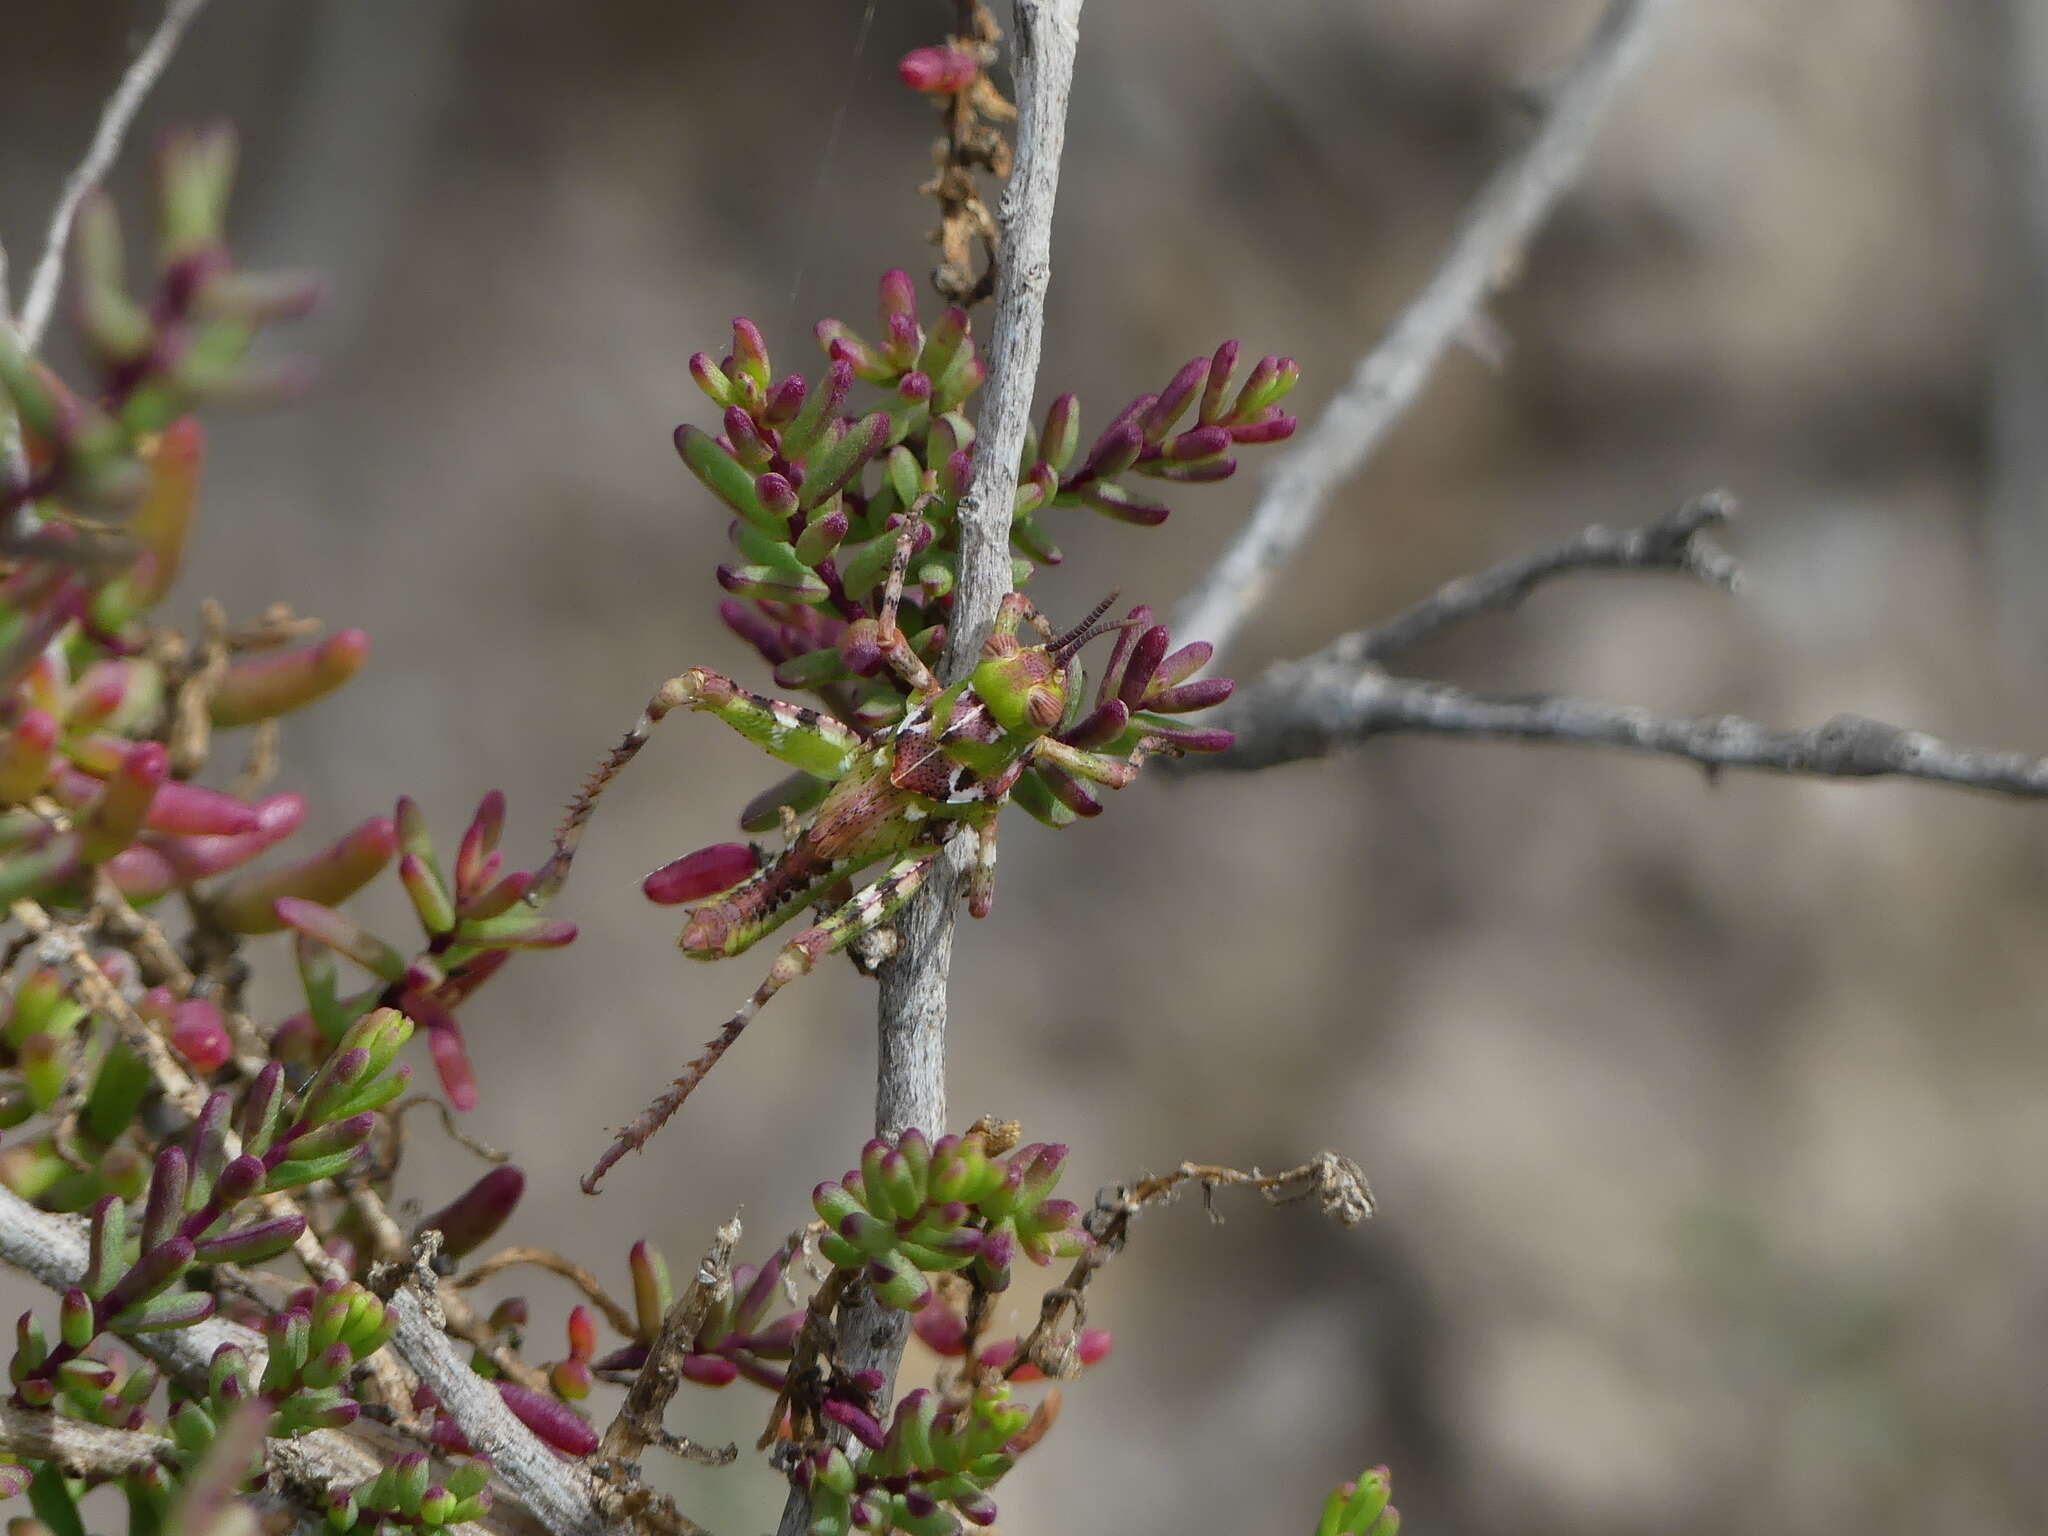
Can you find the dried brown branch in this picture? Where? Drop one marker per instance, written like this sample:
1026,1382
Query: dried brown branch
1333,1181
1483,256
192,694
100,154
816,1343
973,143
638,1423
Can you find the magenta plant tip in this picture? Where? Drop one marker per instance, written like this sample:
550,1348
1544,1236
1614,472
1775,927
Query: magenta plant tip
1114,501
200,1035
475,1216
747,621
1275,429
1208,740
1222,367
708,1370
861,1424
749,352
1196,445
1173,401
940,1329
1147,651
112,820
190,810
1099,726
784,401
342,934
896,292
1183,664
445,1046
479,842
265,687
554,1422
711,378
25,755
247,903
703,873
1182,698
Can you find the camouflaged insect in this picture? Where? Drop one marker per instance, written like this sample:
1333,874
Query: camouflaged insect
898,794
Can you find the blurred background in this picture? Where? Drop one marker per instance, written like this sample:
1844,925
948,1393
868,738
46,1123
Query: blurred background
1707,1120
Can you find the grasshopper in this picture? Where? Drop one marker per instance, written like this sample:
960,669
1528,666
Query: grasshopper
897,797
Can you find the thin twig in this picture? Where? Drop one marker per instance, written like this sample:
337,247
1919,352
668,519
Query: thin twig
1676,542
1482,258
1302,710
396,1134
100,155
555,1264
158,958
971,143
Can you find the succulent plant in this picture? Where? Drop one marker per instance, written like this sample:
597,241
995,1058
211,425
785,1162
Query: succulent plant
916,1208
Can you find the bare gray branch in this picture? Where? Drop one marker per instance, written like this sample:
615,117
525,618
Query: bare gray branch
1340,696
80,1449
100,155
910,1087
53,1249
557,1492
1482,257
1306,715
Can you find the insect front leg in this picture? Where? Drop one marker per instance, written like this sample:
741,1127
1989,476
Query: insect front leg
981,879
799,736
869,907
1096,767
896,651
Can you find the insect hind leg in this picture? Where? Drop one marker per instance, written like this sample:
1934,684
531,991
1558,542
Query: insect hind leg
869,907
792,733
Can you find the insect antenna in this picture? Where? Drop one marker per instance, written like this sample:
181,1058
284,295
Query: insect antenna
1064,648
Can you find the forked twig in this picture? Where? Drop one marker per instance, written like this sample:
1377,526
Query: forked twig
555,1264
1334,1181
